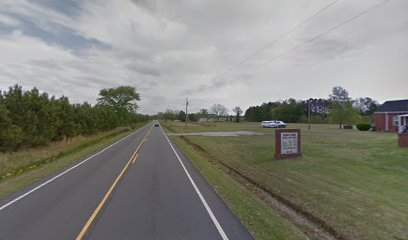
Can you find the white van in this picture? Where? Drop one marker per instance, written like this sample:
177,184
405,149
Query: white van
280,124
269,124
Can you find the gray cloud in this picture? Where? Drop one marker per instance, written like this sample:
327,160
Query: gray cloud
170,51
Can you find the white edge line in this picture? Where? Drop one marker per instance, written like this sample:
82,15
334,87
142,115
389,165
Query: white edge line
207,207
66,171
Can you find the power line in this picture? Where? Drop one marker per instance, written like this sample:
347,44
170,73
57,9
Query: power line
282,36
318,36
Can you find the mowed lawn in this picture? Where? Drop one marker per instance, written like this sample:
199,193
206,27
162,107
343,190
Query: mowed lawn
355,181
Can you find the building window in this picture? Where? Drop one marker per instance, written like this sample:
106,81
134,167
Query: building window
395,121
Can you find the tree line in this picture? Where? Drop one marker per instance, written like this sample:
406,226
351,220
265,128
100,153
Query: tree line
216,112
337,108
30,118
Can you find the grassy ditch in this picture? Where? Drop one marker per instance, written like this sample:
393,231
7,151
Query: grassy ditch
355,182
19,169
261,221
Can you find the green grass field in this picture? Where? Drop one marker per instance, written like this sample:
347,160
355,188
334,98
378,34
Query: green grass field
21,168
355,181
263,223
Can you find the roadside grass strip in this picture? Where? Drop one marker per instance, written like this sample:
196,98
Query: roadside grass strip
63,173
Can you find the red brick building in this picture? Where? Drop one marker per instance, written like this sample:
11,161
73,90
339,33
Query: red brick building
386,116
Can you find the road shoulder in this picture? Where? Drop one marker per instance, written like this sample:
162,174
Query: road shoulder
260,220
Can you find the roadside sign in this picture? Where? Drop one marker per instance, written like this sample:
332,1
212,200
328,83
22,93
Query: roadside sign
287,143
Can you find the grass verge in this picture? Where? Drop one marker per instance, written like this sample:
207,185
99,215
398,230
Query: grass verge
261,221
20,169
354,181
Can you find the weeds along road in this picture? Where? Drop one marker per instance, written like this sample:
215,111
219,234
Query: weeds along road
141,187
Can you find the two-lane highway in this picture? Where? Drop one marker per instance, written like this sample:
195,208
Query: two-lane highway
141,187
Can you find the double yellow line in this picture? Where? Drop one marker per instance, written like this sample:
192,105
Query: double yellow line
112,187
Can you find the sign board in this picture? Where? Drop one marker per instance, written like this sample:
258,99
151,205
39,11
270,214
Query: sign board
287,143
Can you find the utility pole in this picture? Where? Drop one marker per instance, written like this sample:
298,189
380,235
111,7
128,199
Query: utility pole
186,112
308,113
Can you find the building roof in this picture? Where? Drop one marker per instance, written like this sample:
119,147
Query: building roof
394,106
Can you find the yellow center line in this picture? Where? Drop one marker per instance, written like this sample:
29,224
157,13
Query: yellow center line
134,159
143,141
98,209
90,220
145,138
138,147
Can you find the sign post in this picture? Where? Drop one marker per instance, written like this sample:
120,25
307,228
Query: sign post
287,143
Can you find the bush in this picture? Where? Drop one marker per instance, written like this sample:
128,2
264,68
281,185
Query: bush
363,126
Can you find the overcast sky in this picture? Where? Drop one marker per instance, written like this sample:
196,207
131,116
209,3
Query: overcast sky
170,50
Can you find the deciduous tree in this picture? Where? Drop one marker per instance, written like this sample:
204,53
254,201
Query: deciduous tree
123,98
218,110
238,111
342,110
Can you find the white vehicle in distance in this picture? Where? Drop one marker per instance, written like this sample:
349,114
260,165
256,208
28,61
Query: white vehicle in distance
273,124
269,124
280,124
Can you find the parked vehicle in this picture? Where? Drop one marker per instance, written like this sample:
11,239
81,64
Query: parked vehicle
269,124
280,124
273,124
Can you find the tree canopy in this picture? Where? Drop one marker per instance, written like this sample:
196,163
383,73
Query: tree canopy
238,111
121,99
30,118
218,110
342,110
339,108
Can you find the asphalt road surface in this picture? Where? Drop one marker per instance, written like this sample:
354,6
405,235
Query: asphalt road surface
141,187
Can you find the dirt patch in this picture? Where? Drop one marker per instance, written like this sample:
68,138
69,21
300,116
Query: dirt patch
217,134
313,226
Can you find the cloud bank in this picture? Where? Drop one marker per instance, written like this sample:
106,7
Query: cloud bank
170,51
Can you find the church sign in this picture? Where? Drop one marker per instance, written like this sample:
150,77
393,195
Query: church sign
287,143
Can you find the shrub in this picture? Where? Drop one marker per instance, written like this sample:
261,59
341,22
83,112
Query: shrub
363,126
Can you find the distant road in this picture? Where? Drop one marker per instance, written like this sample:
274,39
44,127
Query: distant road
142,187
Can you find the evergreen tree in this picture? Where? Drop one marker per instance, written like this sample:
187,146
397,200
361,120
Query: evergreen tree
31,118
